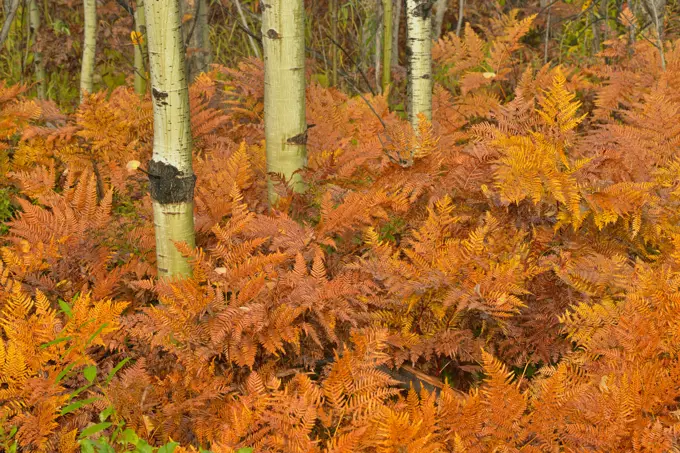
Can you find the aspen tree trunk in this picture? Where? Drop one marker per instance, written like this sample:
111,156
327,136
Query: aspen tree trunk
657,11
387,44
631,26
10,12
334,48
203,38
395,31
546,40
420,59
171,177
378,56
285,127
89,47
140,49
197,36
461,15
34,23
441,6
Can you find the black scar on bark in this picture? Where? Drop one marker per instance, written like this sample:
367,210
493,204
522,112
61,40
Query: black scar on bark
423,9
169,185
272,34
300,139
159,96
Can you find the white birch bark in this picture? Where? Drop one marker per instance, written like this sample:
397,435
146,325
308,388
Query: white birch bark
284,90
419,43
89,46
171,175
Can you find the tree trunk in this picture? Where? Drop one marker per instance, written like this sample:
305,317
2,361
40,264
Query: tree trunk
89,46
461,16
10,12
283,37
395,31
546,7
171,177
334,48
420,59
631,26
441,6
378,52
203,38
34,24
197,36
657,11
387,44
140,49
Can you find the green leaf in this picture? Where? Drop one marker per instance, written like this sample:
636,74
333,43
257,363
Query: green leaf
168,448
86,446
80,390
77,405
106,413
65,371
55,341
245,450
143,447
97,332
103,445
94,429
115,369
90,373
129,437
66,308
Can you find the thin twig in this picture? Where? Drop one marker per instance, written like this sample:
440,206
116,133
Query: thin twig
126,6
363,74
256,49
461,11
193,25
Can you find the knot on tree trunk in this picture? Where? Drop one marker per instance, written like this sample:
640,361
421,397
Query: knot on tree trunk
169,185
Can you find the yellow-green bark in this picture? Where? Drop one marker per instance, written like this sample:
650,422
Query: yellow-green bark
89,46
172,179
34,22
140,49
284,90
